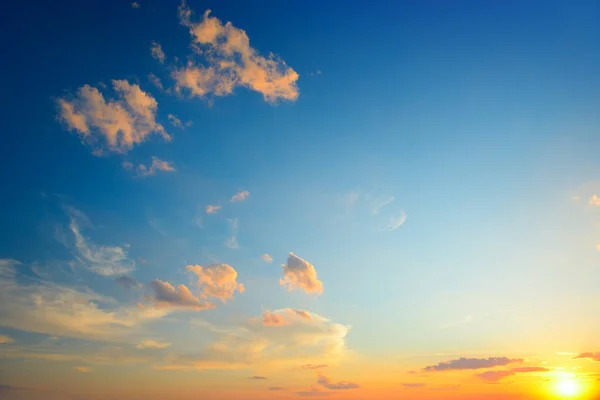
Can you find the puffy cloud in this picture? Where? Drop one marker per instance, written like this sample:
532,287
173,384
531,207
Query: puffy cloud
157,165
342,385
267,258
6,339
52,309
217,280
212,209
240,196
166,296
102,260
589,355
231,240
151,344
157,52
127,282
317,341
594,200
300,274
117,124
472,363
232,62
83,369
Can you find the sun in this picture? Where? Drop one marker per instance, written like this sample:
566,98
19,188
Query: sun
568,387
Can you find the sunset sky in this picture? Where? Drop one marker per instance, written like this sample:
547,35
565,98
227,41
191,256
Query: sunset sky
254,200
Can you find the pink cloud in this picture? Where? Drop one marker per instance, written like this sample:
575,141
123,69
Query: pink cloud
300,274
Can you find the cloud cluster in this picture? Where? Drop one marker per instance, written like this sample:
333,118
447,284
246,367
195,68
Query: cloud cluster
116,125
300,274
231,62
217,280
472,363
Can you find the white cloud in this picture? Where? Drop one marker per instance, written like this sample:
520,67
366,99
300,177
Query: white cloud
300,274
240,196
102,260
117,124
394,221
151,344
212,209
157,52
217,280
232,62
267,258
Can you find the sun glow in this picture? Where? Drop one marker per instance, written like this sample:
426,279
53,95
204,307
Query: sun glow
568,386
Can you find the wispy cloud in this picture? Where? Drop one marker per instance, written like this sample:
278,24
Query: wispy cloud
127,282
589,356
300,274
472,363
212,209
495,376
176,122
156,81
240,196
167,296
157,52
135,4
231,240
594,200
342,385
267,258
257,378
394,222
115,125
157,165
231,62
151,344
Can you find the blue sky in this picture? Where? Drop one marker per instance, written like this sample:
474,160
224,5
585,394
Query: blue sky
434,168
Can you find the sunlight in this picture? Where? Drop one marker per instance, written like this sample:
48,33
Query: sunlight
568,386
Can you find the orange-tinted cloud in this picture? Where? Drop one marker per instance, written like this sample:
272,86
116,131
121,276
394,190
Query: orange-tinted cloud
116,125
272,319
495,376
472,363
151,344
217,280
231,62
342,385
166,296
300,274
212,209
588,355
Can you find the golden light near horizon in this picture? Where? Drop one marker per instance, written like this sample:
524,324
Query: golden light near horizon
568,386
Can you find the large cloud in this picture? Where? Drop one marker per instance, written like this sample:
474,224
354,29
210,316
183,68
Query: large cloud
115,125
231,62
217,280
472,363
300,274
45,307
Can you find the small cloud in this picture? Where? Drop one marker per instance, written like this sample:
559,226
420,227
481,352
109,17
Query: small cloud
151,344
394,222
598,247
589,356
212,209
313,367
240,196
157,165
6,339
300,274
127,282
413,385
267,258
231,240
342,385
379,202
156,81
83,369
157,52
217,280
472,363
272,319
176,122
595,201
257,378
135,4
274,388
523,370
494,376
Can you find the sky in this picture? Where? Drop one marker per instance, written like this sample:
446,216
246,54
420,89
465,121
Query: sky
279,200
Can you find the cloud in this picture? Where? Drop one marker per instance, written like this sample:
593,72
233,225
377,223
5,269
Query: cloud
240,196
342,385
231,240
166,296
472,363
151,344
116,125
177,122
156,81
588,355
127,282
217,280
135,4
313,367
212,209
157,52
300,341
83,369
231,62
6,339
394,222
157,165
272,319
595,201
413,385
45,307
300,274
522,370
378,203
102,260
274,388
257,378
494,376
283,316
267,258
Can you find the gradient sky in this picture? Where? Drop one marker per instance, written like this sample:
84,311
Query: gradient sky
278,200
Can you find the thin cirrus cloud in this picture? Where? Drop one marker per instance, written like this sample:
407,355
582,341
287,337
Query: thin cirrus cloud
342,385
151,344
257,378
495,376
217,280
240,196
212,209
157,52
156,165
116,125
231,240
231,62
283,317
472,363
300,274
